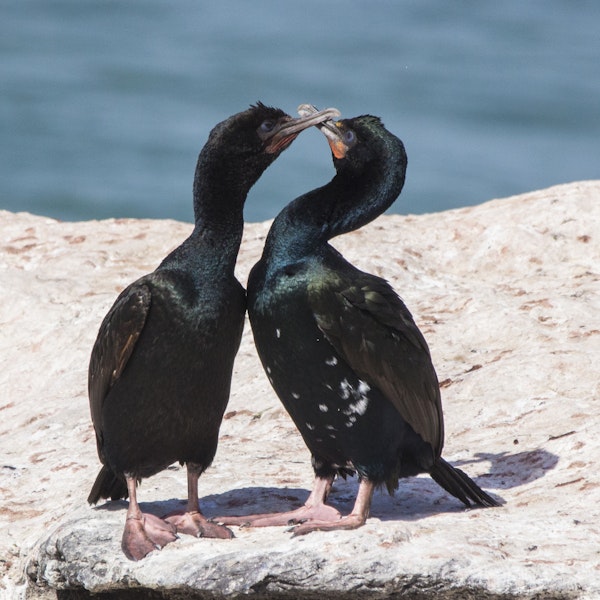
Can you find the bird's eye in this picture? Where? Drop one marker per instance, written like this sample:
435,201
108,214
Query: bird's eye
349,137
267,126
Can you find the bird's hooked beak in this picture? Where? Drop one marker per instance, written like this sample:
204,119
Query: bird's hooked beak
287,131
330,129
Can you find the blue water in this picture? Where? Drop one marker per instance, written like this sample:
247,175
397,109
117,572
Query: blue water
104,105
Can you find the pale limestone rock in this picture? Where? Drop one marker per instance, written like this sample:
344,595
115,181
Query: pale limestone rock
508,297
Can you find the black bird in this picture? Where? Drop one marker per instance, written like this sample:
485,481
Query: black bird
339,346
160,369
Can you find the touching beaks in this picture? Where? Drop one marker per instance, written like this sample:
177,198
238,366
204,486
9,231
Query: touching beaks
329,129
287,131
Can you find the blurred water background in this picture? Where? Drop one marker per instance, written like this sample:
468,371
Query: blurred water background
104,105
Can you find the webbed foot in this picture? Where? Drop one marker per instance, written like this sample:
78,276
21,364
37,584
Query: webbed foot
144,535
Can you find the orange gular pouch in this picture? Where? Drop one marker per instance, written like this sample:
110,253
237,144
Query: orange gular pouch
338,148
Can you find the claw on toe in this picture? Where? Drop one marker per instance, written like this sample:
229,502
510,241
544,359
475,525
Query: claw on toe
213,530
144,535
196,524
351,521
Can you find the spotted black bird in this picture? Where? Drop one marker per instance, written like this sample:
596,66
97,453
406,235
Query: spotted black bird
339,346
160,370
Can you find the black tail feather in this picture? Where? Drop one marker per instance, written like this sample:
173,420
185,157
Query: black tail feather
108,485
460,485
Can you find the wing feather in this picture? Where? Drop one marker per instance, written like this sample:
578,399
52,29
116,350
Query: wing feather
117,337
371,328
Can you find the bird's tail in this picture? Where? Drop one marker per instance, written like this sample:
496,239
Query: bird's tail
460,485
108,485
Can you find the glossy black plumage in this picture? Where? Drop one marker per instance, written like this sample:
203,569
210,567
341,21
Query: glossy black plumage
160,370
339,346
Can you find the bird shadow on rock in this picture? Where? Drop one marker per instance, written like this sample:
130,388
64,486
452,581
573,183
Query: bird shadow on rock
158,508
254,499
248,500
511,470
416,497
419,497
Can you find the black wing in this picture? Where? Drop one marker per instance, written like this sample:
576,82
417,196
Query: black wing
371,328
114,345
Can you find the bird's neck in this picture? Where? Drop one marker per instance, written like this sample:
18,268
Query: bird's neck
220,191
219,197
346,203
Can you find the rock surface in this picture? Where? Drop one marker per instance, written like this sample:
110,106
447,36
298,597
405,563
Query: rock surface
508,296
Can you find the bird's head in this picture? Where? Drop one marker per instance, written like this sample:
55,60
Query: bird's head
238,151
262,131
360,143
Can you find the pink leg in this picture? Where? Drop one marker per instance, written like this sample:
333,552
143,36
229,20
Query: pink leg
192,521
314,508
355,519
143,532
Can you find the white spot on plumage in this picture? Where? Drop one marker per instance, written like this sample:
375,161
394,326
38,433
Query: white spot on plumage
363,387
345,389
330,427
278,333
360,406
323,407
359,395
331,362
310,426
295,396
268,370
